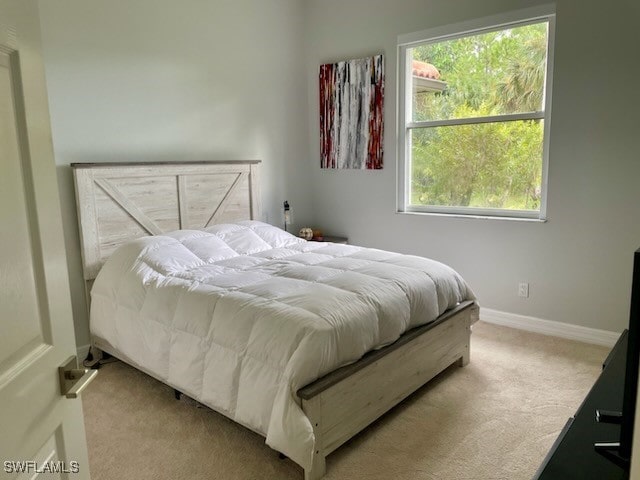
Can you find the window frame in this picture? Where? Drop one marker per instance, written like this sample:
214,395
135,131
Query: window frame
406,125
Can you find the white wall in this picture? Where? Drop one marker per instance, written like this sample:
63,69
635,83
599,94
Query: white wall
578,263
160,80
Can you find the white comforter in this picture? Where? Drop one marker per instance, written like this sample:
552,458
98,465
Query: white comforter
241,316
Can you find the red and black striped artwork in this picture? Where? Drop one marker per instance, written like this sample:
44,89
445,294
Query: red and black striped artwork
351,113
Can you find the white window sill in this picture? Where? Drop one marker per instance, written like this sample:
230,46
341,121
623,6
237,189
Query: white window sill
481,217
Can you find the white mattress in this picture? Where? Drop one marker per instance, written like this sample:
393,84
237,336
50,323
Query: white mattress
241,316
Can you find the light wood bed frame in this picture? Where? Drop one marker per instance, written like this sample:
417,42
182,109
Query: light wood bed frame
121,201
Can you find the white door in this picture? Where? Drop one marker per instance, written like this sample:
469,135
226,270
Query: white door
40,430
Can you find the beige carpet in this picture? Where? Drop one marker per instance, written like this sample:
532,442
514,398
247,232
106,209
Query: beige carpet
494,419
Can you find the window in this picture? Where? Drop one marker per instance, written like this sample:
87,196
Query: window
474,117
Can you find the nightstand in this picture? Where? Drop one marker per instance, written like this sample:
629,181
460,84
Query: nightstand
331,238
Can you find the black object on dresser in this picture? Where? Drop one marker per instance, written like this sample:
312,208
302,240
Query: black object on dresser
573,455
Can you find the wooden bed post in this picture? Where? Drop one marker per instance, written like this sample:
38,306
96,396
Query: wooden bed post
313,410
464,360
474,316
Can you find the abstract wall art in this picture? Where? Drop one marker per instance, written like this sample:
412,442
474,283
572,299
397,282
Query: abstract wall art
351,113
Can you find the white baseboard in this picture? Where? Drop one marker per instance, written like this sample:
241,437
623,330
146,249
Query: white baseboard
549,327
83,351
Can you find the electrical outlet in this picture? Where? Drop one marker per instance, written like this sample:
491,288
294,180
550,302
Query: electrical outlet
523,289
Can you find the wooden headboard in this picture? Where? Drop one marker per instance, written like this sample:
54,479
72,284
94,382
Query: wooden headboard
121,201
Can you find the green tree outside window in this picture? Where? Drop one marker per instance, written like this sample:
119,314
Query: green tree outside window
490,164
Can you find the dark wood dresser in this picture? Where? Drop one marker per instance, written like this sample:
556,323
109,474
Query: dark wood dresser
573,455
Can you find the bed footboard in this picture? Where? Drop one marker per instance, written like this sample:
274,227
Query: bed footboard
344,402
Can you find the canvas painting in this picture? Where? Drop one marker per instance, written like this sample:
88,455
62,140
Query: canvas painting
351,113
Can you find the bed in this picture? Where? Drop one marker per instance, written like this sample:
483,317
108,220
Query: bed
305,343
